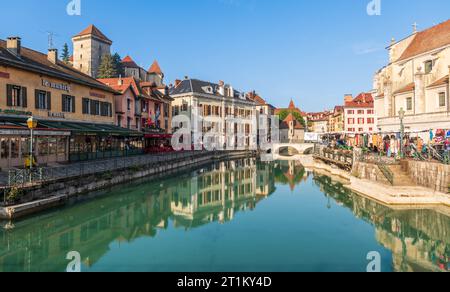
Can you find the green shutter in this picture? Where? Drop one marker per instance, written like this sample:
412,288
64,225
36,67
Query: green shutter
84,106
36,99
63,103
93,112
73,104
49,100
24,99
9,88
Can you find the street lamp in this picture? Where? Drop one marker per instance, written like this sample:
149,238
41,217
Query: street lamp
401,115
32,124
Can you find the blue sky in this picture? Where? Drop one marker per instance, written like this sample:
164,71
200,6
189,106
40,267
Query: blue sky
314,51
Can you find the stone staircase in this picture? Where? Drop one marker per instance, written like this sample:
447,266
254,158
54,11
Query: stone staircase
401,178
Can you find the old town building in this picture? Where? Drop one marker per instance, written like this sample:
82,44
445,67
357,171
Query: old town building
293,110
291,130
264,117
336,120
75,112
318,122
226,114
89,46
359,114
415,80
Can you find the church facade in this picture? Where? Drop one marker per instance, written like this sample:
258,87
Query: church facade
416,80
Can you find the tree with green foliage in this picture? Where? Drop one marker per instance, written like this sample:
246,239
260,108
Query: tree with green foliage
107,67
285,113
65,55
118,66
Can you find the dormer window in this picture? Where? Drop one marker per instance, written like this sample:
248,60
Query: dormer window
429,66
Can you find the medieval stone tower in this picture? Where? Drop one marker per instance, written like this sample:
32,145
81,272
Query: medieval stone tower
89,46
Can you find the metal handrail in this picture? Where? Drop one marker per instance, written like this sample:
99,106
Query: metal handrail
388,174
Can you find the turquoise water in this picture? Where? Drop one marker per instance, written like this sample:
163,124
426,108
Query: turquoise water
234,216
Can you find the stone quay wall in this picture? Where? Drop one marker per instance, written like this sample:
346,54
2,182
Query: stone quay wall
369,171
57,192
432,175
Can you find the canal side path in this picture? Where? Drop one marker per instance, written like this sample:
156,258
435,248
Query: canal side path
60,183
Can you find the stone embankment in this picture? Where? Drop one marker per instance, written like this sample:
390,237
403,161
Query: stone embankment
415,184
58,191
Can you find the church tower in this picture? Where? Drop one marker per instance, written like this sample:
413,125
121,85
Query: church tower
89,46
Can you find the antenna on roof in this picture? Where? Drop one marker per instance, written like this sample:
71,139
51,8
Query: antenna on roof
51,35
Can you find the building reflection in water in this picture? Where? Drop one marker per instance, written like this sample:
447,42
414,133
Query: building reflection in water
419,239
212,194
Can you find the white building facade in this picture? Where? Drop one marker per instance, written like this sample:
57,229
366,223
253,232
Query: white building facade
417,81
220,116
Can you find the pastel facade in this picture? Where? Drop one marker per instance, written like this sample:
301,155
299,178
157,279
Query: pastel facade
73,110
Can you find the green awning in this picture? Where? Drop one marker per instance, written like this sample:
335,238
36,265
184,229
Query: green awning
91,129
75,127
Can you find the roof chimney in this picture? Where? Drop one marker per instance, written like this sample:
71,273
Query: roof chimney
120,81
52,55
13,45
177,82
348,98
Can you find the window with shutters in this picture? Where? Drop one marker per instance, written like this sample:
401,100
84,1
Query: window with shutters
43,100
16,96
68,103
86,106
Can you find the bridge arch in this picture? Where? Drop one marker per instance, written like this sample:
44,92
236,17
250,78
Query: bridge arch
299,148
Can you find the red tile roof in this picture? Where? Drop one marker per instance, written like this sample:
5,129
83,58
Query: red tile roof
34,61
127,82
129,62
291,118
291,108
362,100
155,68
408,88
433,38
256,98
93,30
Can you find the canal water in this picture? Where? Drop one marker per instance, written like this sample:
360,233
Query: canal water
232,216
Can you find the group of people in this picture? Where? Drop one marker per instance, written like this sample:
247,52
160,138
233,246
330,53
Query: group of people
417,144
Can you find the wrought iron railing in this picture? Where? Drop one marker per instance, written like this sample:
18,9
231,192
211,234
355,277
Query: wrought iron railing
21,177
388,174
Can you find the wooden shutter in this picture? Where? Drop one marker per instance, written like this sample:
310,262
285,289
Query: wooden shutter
63,102
9,89
93,111
73,104
24,99
36,99
49,100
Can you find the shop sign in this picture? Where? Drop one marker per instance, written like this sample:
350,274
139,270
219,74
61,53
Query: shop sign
99,95
9,132
15,112
54,85
4,75
56,115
